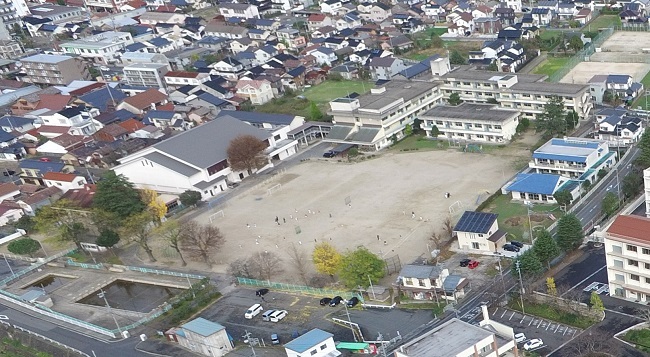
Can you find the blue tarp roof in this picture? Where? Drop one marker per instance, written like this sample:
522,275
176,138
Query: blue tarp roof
535,183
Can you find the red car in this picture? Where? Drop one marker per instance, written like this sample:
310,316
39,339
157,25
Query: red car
473,264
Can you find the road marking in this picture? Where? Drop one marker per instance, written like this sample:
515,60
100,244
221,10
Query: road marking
522,319
547,326
624,314
565,331
558,326
540,322
585,279
504,312
574,333
495,311
513,314
531,322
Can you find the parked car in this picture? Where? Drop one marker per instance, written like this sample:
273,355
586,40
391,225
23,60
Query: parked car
266,316
510,247
465,262
278,315
520,337
329,154
473,264
352,302
261,292
253,311
325,301
533,344
517,244
336,300
275,339
104,68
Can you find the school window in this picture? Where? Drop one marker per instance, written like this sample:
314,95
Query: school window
631,248
632,262
645,251
634,277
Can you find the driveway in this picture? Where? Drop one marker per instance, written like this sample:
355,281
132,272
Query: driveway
552,333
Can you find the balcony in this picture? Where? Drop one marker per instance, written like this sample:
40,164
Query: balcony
557,166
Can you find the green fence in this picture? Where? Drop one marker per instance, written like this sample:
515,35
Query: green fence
145,319
306,290
581,55
161,272
72,263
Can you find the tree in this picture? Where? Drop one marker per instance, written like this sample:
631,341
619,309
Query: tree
435,132
26,223
524,123
417,125
63,220
171,231
24,246
552,121
360,266
493,67
602,173
326,258
107,238
454,99
299,261
241,268
437,244
608,96
550,286
529,264
609,204
569,231
643,160
266,264
594,343
436,41
448,227
572,119
575,43
596,302
314,112
116,195
201,241
456,58
190,197
632,185
246,152
545,247
563,197
139,228
408,130
154,204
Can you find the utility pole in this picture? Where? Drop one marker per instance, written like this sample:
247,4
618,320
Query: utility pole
102,295
501,272
380,337
521,285
350,322
372,289
247,336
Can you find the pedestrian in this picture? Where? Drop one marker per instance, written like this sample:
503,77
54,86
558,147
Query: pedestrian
300,242
248,225
330,215
330,238
254,225
308,211
412,214
284,220
420,218
315,240
377,236
277,219
257,241
290,216
385,243
277,246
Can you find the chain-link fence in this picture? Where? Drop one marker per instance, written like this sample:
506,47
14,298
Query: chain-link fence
582,55
305,290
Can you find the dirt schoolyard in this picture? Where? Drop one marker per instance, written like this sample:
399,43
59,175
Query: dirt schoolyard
395,201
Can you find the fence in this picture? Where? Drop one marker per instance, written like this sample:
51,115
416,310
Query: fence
36,266
160,272
307,290
72,263
41,337
581,55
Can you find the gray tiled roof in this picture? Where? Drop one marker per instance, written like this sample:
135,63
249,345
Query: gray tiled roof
420,271
171,164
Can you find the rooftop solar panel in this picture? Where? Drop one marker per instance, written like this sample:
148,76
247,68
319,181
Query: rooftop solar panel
475,222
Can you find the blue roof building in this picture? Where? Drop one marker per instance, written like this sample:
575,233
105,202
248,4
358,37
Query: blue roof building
315,343
205,337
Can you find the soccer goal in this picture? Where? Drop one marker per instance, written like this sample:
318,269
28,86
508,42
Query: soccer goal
455,207
216,215
273,189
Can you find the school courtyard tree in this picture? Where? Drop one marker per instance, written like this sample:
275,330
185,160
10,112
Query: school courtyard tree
359,267
552,121
326,258
454,99
569,232
265,265
107,238
171,231
190,198
563,197
545,247
139,229
201,241
246,152
456,58
24,246
63,220
154,204
117,196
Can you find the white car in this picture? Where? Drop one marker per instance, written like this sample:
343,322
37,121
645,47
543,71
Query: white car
104,68
520,337
533,344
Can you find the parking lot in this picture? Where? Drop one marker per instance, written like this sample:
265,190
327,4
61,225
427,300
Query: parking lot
552,333
304,314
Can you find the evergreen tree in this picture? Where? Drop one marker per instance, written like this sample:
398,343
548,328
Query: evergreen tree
569,232
545,247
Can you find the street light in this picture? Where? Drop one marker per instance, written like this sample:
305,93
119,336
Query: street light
529,204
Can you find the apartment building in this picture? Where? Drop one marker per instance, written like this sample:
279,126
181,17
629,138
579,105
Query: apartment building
146,74
10,14
58,14
103,48
483,123
10,49
374,120
627,252
52,69
527,93
244,11
646,185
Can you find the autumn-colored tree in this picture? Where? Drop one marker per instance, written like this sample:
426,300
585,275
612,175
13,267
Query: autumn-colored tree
155,205
139,228
63,219
327,259
201,241
246,152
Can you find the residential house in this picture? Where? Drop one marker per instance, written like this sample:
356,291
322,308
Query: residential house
37,101
183,78
203,337
258,92
155,18
79,120
218,29
506,15
291,38
63,144
316,21
30,201
314,343
470,122
228,68
102,48
566,11
111,132
8,191
619,129
10,212
423,282
10,123
10,148
237,10
164,119
618,86
487,25
81,197
140,103
374,12
583,16
52,69
64,182
385,67
479,232
213,43
324,55
331,7
627,252
172,166
32,171
541,16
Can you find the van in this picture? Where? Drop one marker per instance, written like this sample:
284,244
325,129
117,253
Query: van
253,311
278,315
266,316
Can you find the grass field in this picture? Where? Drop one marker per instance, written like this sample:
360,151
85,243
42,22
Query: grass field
602,21
463,47
549,34
419,142
513,216
551,65
641,101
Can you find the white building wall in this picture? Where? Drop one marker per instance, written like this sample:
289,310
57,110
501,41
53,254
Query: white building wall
78,182
322,349
628,269
646,186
